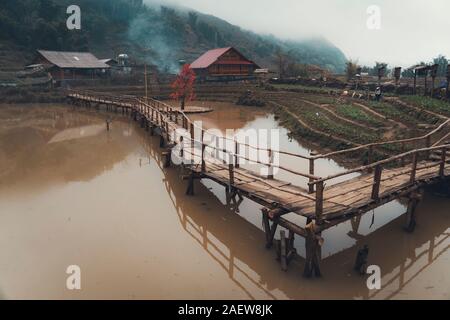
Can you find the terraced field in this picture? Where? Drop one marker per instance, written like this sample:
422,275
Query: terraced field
426,103
337,122
357,114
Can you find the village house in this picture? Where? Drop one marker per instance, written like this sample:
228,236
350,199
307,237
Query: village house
67,66
223,64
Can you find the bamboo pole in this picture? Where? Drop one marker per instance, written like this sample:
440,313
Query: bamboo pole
311,172
377,182
319,202
412,178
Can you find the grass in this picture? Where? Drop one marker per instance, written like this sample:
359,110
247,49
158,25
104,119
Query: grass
320,99
320,121
356,114
294,87
428,103
392,112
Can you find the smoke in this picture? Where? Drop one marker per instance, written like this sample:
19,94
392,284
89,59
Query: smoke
150,31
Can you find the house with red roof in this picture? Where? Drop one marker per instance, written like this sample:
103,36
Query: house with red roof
223,64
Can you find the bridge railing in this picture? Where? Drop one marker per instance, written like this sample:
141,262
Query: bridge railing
416,165
169,117
188,144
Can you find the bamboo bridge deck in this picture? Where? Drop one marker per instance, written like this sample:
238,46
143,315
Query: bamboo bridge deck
379,182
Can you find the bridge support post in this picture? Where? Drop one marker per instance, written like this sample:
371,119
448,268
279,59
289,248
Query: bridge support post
313,243
414,200
268,229
285,249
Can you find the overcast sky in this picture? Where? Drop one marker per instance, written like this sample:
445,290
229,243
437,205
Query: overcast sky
411,30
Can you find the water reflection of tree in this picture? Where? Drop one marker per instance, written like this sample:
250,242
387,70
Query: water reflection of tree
242,239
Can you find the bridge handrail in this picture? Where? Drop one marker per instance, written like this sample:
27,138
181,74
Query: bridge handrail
380,163
305,157
374,144
224,150
165,111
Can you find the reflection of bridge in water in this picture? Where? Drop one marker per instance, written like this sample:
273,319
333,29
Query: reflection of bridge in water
231,241
399,176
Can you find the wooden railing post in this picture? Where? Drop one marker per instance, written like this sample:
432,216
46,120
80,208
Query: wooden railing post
270,167
231,174
225,151
412,178
311,172
443,159
182,147
167,132
217,148
376,182
203,151
319,201
236,154
192,141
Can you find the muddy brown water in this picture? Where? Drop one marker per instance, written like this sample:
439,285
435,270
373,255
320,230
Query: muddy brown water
72,193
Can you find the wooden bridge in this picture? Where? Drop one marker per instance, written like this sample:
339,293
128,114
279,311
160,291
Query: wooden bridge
413,164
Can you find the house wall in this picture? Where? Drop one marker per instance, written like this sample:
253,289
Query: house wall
232,69
77,74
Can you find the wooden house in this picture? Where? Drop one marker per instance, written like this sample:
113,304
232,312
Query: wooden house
224,64
66,66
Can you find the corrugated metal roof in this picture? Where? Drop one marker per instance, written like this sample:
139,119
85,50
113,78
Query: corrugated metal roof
73,60
208,58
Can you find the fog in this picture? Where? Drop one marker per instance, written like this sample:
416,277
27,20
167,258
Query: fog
410,30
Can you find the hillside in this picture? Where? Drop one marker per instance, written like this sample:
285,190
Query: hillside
159,35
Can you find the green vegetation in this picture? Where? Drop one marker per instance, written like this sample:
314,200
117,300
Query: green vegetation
301,88
428,103
356,114
320,99
297,131
157,34
320,121
392,112
440,60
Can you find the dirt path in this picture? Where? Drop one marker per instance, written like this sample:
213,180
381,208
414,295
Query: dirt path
326,108
366,108
407,105
305,125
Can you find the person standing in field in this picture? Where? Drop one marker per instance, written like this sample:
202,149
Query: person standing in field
378,94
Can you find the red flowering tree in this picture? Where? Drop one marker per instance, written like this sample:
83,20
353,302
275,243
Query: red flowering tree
183,86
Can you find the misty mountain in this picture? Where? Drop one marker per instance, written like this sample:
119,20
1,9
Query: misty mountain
157,34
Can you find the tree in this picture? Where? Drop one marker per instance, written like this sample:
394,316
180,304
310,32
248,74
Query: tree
192,19
378,65
183,85
443,63
351,69
282,61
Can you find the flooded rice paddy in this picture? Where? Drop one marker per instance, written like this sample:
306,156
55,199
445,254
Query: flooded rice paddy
73,193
